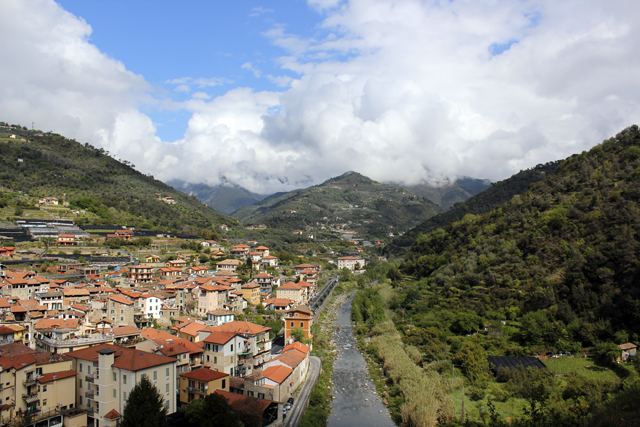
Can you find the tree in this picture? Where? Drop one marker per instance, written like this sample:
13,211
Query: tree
212,411
297,334
144,407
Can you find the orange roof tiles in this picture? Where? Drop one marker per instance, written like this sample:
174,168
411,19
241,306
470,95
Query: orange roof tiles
291,358
240,327
296,346
124,358
53,376
217,337
277,373
204,375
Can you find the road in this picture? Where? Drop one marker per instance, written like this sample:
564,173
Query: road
315,301
294,416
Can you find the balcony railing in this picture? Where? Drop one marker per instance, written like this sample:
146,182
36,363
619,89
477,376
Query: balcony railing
196,390
73,342
30,379
90,378
90,394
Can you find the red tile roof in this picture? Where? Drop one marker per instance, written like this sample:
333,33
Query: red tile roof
204,375
277,373
46,378
124,358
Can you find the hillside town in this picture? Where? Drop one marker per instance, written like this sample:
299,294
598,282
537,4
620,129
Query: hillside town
78,333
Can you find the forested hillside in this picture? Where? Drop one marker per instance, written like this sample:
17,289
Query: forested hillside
40,165
225,198
350,201
562,258
498,193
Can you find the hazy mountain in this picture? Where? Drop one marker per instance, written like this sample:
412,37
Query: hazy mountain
350,201
448,195
225,198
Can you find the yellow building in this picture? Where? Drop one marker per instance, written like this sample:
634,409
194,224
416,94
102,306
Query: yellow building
251,292
201,382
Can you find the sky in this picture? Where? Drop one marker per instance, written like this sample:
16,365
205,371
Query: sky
279,95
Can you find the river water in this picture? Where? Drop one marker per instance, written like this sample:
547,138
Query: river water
356,402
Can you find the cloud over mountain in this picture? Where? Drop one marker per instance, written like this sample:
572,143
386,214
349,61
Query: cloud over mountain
401,91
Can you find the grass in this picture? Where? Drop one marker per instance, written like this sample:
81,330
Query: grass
513,407
585,367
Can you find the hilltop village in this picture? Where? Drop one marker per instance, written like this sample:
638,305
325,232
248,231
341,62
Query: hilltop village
240,326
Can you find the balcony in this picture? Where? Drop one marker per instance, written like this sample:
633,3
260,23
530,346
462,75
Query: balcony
30,397
91,378
73,342
30,379
197,390
90,394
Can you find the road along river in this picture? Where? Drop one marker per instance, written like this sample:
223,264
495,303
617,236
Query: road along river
355,402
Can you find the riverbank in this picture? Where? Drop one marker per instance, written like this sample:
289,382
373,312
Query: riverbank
319,408
355,399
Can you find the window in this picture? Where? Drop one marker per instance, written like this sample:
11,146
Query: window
80,383
44,388
80,400
166,405
261,395
207,357
223,383
122,319
114,392
88,369
114,376
80,369
292,324
38,371
231,347
250,393
124,379
192,383
167,371
167,387
301,324
215,360
124,396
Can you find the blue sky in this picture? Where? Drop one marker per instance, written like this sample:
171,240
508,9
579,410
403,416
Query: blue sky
166,40
281,95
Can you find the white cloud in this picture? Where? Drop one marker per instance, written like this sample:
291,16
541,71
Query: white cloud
248,66
257,11
401,91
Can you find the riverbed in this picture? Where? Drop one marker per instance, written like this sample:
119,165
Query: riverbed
356,402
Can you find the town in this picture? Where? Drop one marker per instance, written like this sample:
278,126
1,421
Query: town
79,329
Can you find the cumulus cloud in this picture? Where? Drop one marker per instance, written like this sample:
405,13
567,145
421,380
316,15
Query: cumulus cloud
397,90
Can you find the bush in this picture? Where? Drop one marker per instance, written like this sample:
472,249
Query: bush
476,393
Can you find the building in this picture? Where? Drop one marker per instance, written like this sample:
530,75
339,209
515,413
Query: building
228,265
200,383
251,292
107,374
140,273
301,317
293,291
629,349
121,311
220,317
351,262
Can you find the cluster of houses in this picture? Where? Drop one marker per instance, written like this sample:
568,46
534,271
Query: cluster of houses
74,351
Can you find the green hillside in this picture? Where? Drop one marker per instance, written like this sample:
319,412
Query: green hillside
36,165
563,257
498,193
225,198
349,202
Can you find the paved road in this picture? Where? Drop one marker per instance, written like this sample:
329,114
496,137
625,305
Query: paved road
297,410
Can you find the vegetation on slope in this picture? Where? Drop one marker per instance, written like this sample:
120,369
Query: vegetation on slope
352,201
485,201
87,177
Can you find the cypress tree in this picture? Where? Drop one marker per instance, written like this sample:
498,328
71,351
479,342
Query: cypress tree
144,407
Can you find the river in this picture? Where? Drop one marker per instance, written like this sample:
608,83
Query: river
356,402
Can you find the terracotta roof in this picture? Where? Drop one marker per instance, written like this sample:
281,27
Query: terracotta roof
151,333
204,375
278,302
112,415
4,303
75,292
192,328
229,262
125,358
121,331
239,402
216,337
296,346
220,312
291,285
120,299
250,286
291,358
263,276
46,378
301,309
627,346
277,373
240,327
57,324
